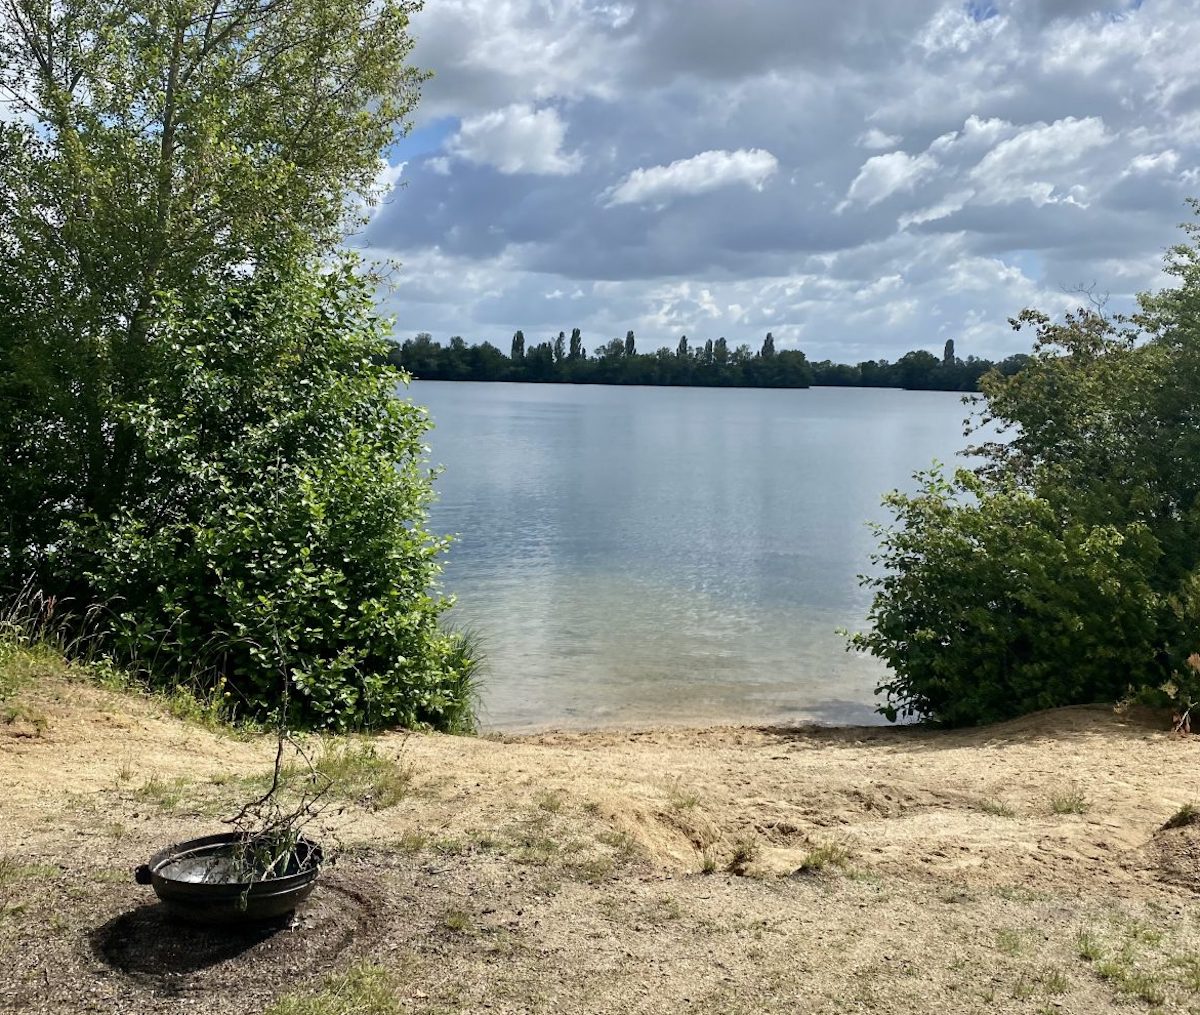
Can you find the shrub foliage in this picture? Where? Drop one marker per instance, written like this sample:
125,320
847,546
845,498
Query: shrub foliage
198,430
1066,569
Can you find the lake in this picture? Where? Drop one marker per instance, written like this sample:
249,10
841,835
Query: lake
637,555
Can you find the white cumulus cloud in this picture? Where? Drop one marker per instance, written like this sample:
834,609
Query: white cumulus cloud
750,167
884,175
516,139
876,140
1028,164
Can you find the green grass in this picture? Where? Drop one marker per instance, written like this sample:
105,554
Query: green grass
366,988
1070,801
822,857
13,872
355,770
162,794
458,921
1087,947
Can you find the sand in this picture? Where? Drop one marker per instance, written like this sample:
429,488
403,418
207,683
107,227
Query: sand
1021,867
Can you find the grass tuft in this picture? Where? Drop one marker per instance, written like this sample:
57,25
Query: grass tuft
823,857
745,852
997,808
1069,802
1188,814
366,988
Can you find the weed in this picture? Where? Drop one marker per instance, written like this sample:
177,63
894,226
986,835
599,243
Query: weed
412,841
708,863
1069,802
1189,967
166,795
465,661
1087,947
745,852
1008,941
457,921
533,848
997,808
1053,981
594,869
550,801
1119,973
821,857
364,989
354,771
1145,987
10,910
125,772
12,714
360,773
1025,987
669,908
681,799
1188,814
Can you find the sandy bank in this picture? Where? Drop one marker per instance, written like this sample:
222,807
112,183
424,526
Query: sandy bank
1017,868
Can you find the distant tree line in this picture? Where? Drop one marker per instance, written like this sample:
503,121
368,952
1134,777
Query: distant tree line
564,359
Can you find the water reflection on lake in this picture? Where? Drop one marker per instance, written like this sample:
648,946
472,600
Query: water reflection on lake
670,555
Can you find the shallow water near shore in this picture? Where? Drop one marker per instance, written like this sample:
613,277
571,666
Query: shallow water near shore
635,556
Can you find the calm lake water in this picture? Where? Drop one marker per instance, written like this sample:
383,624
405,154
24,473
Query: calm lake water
671,555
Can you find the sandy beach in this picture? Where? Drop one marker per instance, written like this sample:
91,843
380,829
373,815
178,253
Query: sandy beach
1021,867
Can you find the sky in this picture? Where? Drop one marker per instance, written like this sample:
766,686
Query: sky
859,177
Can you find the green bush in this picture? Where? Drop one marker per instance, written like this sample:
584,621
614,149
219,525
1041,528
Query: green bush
1066,569
282,492
987,606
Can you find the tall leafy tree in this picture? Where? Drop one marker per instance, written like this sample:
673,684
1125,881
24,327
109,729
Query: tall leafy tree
197,428
518,347
681,350
768,346
630,344
576,348
174,139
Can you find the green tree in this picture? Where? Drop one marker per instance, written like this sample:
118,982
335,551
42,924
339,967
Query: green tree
1068,568
948,353
518,347
560,348
681,350
576,349
174,323
768,346
630,344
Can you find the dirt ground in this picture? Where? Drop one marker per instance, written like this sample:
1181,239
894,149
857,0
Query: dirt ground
1018,868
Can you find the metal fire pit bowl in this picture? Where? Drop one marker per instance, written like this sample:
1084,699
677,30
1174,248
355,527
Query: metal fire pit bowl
195,879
